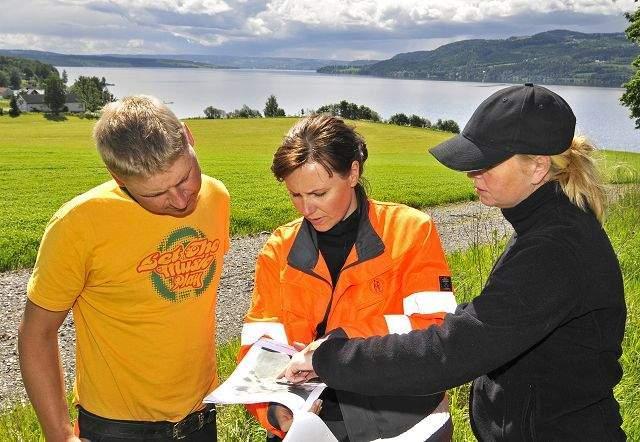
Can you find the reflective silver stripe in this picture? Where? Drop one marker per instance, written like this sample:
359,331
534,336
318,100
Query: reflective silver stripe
429,302
252,331
424,429
398,324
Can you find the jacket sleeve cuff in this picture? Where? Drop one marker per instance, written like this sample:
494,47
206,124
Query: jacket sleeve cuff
336,333
326,353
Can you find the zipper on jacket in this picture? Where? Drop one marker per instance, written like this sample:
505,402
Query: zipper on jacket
528,416
321,327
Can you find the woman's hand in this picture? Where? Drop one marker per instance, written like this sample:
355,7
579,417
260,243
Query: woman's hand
300,368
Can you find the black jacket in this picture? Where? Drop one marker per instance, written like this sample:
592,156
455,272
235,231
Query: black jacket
542,340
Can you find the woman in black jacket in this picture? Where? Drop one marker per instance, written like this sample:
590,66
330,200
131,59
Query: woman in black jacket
542,340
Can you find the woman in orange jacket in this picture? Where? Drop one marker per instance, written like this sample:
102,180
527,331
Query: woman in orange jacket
363,267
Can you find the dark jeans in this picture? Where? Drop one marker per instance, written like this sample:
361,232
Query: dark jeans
100,429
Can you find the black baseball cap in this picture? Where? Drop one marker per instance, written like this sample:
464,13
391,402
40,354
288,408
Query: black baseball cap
525,119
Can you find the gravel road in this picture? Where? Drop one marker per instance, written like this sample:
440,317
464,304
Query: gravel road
459,225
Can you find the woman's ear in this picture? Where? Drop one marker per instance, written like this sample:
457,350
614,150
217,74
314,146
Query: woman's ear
542,164
354,173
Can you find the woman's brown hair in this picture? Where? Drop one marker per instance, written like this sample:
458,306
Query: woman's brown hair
322,139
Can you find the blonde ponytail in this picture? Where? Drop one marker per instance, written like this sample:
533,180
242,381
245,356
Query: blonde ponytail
576,171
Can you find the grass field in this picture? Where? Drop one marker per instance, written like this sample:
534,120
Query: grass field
470,269
45,163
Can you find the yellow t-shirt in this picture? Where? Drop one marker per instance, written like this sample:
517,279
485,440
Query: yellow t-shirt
143,292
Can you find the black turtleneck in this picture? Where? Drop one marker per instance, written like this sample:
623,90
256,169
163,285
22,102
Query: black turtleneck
335,244
542,339
538,203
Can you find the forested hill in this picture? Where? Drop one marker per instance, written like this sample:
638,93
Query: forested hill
30,70
553,57
102,60
178,60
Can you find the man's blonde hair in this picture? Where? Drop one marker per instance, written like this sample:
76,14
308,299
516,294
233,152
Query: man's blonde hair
139,136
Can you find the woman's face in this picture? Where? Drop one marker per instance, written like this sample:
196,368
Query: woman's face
510,182
322,199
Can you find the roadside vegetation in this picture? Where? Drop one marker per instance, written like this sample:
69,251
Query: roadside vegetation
343,109
57,161
470,269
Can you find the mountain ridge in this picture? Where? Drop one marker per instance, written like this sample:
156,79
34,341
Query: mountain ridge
551,57
176,60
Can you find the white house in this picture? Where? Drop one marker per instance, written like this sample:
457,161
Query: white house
32,91
31,103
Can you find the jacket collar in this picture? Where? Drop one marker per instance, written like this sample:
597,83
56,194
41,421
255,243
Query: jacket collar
532,209
304,253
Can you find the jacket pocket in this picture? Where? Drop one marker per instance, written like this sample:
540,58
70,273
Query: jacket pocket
529,416
378,292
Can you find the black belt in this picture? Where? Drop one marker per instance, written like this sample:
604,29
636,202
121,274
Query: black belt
141,429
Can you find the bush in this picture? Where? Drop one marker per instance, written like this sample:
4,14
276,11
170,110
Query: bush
89,115
54,93
214,113
349,111
245,112
399,119
14,110
417,121
447,126
91,91
271,108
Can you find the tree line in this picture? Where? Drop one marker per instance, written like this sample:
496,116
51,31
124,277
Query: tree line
343,109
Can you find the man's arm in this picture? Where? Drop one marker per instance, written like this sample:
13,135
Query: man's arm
42,372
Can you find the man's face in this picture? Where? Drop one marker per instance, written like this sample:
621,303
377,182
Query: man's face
173,192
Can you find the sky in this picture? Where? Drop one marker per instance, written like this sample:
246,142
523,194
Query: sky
328,29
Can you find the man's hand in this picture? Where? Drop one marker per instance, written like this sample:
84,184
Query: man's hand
284,416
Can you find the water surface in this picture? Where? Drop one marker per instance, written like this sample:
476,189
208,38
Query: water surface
188,91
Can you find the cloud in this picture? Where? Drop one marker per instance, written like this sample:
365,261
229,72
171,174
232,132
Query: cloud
205,7
310,28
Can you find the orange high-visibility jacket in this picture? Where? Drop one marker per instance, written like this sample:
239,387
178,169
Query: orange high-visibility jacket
395,279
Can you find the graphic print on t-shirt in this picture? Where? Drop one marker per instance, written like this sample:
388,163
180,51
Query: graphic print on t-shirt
183,266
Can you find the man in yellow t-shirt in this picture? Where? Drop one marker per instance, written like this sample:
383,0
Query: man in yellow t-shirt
138,260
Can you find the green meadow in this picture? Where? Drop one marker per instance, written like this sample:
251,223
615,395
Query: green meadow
45,163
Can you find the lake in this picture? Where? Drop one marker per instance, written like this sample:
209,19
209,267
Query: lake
599,113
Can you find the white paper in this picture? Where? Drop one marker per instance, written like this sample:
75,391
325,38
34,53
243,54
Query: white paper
308,427
254,380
